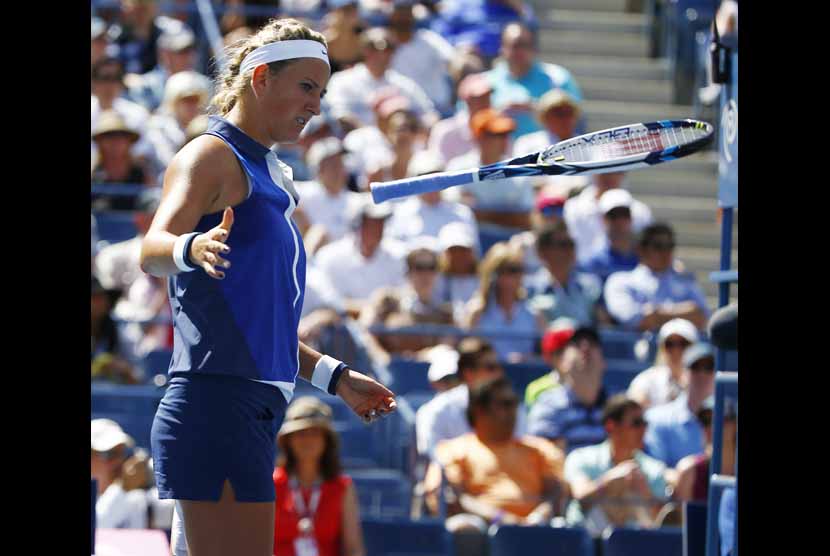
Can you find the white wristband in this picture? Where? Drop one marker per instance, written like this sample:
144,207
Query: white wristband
179,256
323,371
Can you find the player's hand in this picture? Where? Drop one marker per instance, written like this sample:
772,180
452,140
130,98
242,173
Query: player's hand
205,249
368,398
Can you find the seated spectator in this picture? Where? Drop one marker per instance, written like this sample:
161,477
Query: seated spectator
477,24
316,503
519,79
401,133
501,304
452,137
427,214
554,341
619,251
349,90
493,476
491,131
614,483
410,304
674,431
584,217
115,506
693,471
137,33
363,260
322,306
342,28
442,418
559,114
137,476
546,211
422,55
458,265
176,53
558,289
667,378
325,201
116,164
109,349
571,416
186,95
654,292
443,368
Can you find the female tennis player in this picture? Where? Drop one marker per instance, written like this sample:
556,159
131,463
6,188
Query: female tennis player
228,199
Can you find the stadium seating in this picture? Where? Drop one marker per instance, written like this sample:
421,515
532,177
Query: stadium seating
114,226
510,540
133,407
401,537
624,541
382,493
408,375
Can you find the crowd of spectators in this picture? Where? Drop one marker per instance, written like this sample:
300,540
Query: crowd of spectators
420,87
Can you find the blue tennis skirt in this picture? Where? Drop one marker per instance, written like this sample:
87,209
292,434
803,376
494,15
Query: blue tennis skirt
209,428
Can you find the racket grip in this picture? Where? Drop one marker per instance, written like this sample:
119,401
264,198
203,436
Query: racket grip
383,191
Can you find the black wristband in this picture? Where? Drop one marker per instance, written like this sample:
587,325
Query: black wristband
186,251
335,377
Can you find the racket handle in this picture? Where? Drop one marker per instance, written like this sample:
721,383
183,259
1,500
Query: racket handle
383,191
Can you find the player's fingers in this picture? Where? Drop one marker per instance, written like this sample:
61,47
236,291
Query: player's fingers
227,220
217,247
216,260
212,272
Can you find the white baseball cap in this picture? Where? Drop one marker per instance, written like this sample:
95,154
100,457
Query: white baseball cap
614,198
107,434
681,327
456,234
443,362
424,162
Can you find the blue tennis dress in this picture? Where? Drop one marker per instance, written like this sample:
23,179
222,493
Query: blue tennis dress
235,352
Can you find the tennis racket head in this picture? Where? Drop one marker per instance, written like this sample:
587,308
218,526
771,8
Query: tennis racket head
641,144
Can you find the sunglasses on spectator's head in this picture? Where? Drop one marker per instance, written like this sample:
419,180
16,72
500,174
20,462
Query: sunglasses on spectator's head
425,267
706,365
672,344
662,245
639,422
618,212
522,44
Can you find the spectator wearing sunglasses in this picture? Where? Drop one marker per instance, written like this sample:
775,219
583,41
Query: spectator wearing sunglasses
558,289
443,417
585,218
655,292
674,430
117,507
500,304
493,476
547,210
619,250
614,482
667,378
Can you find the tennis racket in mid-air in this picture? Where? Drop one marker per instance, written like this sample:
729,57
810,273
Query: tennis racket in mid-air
610,150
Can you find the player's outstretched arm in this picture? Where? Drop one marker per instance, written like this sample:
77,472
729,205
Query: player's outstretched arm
368,398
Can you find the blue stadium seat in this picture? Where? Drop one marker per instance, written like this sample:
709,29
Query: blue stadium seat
417,398
522,374
619,344
625,541
510,540
115,226
488,234
616,381
408,375
133,407
382,492
400,537
156,362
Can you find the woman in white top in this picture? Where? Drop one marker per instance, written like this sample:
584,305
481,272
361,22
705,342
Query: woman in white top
667,378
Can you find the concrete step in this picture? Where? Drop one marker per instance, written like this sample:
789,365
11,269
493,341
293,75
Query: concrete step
588,5
642,182
610,66
582,20
626,90
597,43
602,114
681,209
702,259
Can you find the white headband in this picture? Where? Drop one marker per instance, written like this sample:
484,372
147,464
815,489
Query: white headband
284,50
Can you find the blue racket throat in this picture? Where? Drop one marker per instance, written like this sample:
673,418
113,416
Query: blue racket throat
617,149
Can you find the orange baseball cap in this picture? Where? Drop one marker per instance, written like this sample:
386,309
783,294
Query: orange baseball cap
491,121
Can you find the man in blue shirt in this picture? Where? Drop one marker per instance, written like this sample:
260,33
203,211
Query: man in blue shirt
520,80
619,252
655,292
674,430
571,416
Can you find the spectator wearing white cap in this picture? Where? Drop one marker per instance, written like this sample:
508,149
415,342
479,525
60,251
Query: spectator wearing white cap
364,260
667,378
452,137
584,216
618,251
674,430
443,368
349,90
458,264
186,95
428,213
176,53
325,200
422,55
115,507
